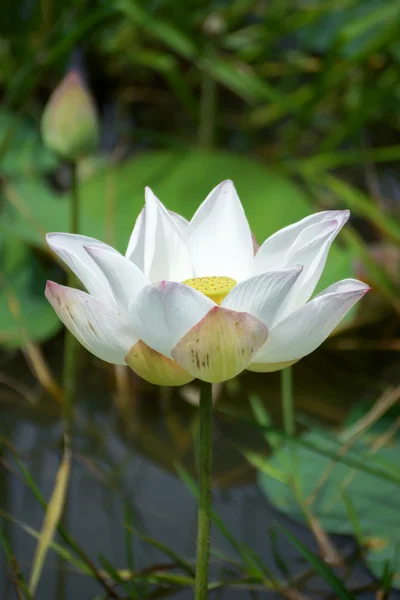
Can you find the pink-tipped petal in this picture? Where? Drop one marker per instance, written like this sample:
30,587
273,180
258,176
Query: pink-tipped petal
221,345
256,245
154,367
99,328
305,329
164,312
345,286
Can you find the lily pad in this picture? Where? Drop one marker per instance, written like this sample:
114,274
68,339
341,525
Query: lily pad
25,313
375,500
21,149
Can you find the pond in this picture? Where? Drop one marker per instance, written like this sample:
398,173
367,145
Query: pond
127,442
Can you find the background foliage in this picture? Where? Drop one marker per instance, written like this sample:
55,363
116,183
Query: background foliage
296,101
307,91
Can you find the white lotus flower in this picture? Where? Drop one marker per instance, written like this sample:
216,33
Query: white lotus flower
190,299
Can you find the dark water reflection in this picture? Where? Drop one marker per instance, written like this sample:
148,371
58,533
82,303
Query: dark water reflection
125,447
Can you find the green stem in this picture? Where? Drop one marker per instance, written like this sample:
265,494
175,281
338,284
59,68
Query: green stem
289,425
70,343
208,98
287,401
204,518
74,225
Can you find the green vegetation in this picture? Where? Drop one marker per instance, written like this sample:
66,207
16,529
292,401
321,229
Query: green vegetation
298,103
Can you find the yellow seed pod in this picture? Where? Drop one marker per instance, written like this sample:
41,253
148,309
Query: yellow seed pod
215,288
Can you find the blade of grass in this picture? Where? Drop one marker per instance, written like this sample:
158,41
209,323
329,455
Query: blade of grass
60,550
242,79
280,563
182,563
51,520
241,549
20,585
130,559
352,515
380,406
171,578
320,566
360,203
113,573
333,160
172,37
261,463
226,558
68,539
377,275
169,68
57,47
388,575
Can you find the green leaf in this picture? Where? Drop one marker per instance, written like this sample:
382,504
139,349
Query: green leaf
374,506
25,313
21,149
380,425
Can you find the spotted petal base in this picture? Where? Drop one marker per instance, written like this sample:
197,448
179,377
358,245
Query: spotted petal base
155,367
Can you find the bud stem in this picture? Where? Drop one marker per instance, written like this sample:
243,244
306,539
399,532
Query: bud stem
74,228
71,349
208,108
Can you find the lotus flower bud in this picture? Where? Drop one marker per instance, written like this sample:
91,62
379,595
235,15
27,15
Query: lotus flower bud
69,123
